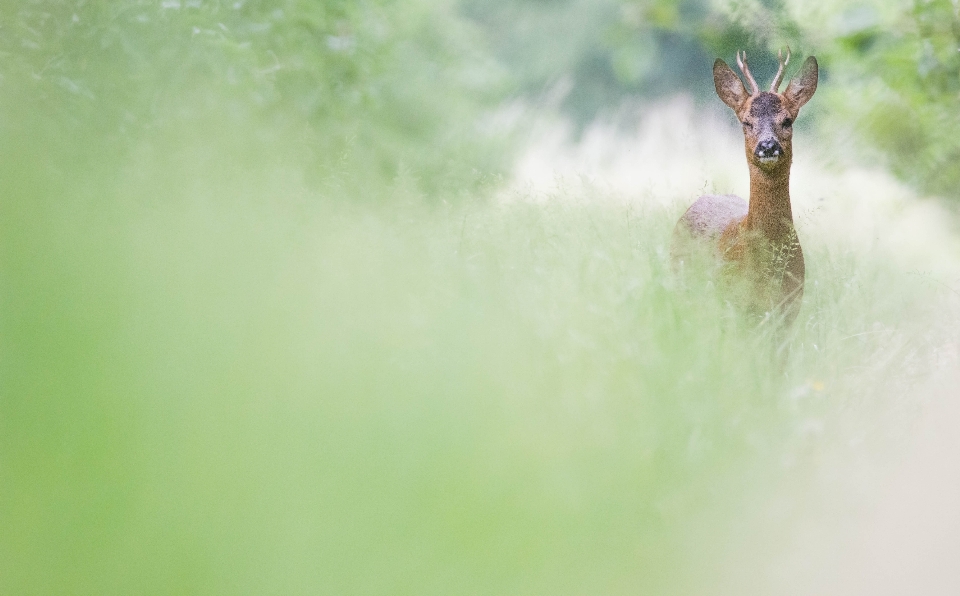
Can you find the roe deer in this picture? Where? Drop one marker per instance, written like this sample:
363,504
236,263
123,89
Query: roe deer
756,241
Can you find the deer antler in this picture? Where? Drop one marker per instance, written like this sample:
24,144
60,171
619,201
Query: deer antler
775,86
742,63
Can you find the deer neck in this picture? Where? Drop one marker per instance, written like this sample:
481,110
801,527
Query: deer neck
770,214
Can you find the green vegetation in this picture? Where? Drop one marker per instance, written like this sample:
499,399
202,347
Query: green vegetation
239,390
896,83
894,78
399,88
383,89
264,330
891,69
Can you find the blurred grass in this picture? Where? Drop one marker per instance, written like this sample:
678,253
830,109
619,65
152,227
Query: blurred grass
231,383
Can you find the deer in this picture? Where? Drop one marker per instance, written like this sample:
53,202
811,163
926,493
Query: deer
755,240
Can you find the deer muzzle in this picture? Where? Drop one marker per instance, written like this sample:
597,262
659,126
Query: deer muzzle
768,151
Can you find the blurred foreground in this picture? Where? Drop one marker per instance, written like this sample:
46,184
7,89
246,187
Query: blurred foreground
221,381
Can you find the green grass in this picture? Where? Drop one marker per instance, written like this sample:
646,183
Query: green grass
234,384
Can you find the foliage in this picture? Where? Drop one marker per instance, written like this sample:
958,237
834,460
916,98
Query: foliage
896,85
396,88
891,70
400,89
892,78
594,54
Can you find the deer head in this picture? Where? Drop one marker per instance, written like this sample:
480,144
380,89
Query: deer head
767,116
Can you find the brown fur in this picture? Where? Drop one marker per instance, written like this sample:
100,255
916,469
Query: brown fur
757,240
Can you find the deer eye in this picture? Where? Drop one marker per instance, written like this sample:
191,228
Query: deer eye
787,123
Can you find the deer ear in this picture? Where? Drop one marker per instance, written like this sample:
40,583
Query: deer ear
729,86
804,85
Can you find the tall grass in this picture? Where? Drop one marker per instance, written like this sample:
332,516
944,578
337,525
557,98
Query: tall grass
231,383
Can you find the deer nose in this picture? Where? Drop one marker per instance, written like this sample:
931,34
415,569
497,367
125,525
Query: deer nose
767,149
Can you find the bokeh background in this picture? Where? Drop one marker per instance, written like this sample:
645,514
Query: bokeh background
374,297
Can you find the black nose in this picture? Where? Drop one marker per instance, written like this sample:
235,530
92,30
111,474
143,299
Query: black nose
768,148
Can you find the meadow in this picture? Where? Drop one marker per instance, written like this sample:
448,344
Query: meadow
224,381
242,356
